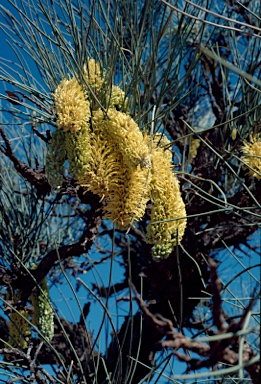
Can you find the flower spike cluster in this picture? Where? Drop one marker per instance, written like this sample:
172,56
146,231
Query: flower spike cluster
110,156
127,201
72,138
116,171
252,155
117,99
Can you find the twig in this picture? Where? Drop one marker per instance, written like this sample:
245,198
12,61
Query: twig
63,252
216,285
41,136
35,178
209,22
217,351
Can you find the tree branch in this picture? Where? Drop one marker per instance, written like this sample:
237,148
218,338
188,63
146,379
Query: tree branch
216,351
35,177
216,285
63,252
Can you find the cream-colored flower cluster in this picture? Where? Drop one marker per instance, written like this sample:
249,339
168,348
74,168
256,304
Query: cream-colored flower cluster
71,106
110,156
252,155
71,140
116,171
124,134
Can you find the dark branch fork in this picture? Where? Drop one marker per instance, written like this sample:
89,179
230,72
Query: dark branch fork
216,351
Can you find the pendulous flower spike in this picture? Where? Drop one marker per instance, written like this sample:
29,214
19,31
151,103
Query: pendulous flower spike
128,199
167,221
43,312
102,172
77,146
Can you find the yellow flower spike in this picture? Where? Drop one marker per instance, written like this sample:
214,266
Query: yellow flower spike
101,174
71,106
252,155
127,200
124,188
167,205
55,159
77,147
93,74
122,131
43,312
19,327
